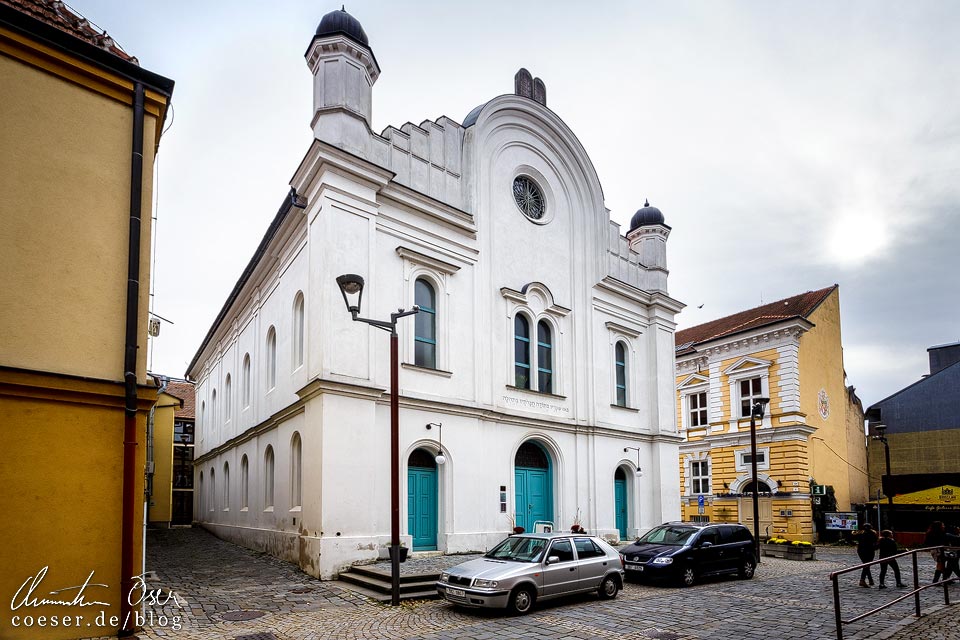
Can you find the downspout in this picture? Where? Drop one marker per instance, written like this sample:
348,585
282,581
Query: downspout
130,368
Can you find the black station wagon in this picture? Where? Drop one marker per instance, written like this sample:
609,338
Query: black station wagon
685,551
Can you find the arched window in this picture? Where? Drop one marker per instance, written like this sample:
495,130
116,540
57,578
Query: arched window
200,498
271,358
203,421
544,358
620,363
244,482
226,486
298,330
296,494
268,478
246,380
213,491
213,412
521,352
425,334
227,400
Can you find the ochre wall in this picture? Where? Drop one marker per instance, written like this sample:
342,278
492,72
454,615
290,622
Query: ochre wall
161,502
65,185
62,493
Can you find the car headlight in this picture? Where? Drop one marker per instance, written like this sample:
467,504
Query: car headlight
663,560
444,577
484,584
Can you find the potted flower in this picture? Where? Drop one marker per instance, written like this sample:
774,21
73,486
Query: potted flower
403,552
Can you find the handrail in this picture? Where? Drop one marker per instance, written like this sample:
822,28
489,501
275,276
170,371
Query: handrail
917,588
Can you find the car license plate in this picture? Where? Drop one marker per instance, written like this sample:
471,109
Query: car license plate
631,567
455,592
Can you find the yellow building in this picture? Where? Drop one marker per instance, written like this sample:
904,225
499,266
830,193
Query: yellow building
812,433
81,121
170,437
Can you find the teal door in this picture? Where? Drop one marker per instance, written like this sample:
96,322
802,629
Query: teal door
422,503
620,502
533,483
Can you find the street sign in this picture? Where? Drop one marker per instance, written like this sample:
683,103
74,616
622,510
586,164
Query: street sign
700,502
819,490
700,509
816,500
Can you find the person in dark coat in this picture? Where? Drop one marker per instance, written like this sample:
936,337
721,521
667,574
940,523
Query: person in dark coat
936,537
887,547
866,549
951,557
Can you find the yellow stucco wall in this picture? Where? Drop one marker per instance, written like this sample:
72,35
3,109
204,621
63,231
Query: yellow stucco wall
161,502
821,367
65,193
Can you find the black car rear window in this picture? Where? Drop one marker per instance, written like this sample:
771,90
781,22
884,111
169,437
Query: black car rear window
731,533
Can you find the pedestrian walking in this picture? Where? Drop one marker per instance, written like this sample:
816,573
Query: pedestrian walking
951,559
936,537
887,547
866,549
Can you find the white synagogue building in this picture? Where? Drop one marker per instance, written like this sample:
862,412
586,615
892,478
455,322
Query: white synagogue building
542,355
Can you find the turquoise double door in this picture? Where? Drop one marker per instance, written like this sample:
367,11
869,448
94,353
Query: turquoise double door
422,507
620,503
533,496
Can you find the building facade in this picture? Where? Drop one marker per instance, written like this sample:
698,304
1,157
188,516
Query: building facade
922,430
81,123
542,354
170,431
789,351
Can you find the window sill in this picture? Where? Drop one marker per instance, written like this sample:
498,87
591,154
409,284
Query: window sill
435,372
244,510
296,509
622,408
536,393
227,510
268,510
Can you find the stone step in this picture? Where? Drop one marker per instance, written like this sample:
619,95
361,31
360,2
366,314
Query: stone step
410,589
385,598
376,572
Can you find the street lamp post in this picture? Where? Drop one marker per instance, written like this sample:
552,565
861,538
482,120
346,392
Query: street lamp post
351,287
756,412
880,430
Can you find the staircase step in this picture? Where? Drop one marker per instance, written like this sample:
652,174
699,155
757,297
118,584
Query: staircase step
385,586
373,571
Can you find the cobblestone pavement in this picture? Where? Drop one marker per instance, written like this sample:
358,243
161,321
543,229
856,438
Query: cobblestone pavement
215,581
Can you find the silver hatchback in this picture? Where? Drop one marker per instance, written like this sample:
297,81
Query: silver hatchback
536,566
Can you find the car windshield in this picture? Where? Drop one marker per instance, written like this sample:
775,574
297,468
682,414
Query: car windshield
668,534
518,549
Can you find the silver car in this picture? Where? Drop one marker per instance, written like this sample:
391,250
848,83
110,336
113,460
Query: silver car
535,566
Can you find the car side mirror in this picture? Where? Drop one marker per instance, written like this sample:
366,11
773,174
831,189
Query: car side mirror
553,559
705,544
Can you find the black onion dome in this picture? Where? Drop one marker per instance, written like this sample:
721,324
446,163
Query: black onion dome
342,23
646,216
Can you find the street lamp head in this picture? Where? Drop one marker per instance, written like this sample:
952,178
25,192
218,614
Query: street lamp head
441,459
879,429
759,407
639,472
351,288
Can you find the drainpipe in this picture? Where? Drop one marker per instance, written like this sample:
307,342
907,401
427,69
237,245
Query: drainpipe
130,368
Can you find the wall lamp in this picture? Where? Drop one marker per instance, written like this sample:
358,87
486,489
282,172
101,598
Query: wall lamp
440,457
637,449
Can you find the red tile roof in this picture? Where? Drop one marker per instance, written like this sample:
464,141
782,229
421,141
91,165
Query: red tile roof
57,14
183,391
799,306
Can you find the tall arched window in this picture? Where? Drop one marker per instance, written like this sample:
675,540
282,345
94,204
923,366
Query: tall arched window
244,482
271,358
246,380
203,419
425,333
544,358
200,498
227,400
268,478
213,412
296,494
298,330
226,486
521,352
213,491
620,362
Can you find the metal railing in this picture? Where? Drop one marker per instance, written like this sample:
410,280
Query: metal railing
915,593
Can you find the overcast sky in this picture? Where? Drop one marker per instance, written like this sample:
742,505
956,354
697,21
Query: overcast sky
790,145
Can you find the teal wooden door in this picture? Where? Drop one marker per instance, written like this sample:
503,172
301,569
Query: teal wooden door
533,496
422,507
620,503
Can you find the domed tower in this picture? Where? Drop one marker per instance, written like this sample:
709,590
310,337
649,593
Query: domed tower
344,70
648,236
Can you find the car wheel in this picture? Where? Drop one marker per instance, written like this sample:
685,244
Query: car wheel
609,588
747,568
688,577
521,602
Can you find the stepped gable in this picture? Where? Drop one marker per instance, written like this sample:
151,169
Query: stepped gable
798,306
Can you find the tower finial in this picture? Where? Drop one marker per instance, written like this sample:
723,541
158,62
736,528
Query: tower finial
646,202
343,8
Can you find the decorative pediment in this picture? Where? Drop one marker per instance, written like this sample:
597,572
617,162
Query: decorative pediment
747,364
693,380
537,297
